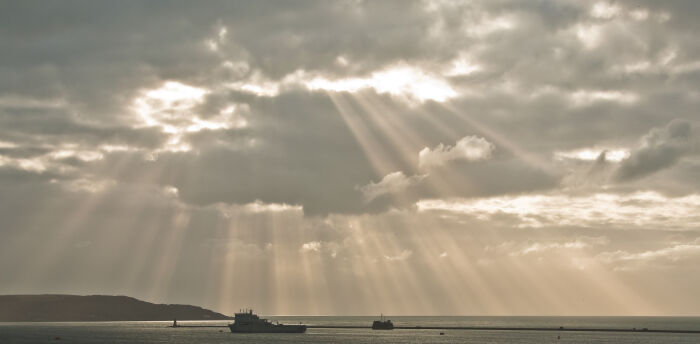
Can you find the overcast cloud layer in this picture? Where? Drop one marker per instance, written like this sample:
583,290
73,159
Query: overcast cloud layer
342,157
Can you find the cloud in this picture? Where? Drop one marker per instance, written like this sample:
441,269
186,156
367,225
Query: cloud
601,210
470,148
661,148
409,82
252,99
258,207
392,183
591,154
662,257
604,10
586,172
580,98
538,247
403,255
310,246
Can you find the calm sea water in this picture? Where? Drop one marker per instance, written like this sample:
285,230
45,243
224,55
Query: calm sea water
157,332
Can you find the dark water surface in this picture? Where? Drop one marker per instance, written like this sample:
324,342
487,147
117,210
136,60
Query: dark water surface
158,332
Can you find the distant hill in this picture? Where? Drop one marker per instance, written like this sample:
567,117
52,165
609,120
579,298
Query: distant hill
95,308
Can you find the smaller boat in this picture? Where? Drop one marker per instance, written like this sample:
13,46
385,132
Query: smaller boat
382,324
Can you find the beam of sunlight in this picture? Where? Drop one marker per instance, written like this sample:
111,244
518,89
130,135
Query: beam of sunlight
370,146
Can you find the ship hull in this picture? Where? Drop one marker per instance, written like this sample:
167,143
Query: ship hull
267,329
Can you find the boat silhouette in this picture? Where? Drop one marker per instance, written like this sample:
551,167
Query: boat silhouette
382,324
249,322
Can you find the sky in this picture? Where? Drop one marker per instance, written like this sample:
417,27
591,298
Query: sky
354,157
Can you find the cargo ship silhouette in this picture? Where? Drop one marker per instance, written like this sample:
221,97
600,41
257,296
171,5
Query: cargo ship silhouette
248,322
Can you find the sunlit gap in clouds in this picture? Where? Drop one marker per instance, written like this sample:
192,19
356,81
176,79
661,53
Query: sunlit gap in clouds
172,108
406,81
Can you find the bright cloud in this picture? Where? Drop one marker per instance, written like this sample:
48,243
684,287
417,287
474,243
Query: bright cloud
469,148
169,106
590,154
404,81
462,66
538,247
257,207
172,108
312,246
637,210
589,35
403,255
605,10
391,183
624,260
52,159
673,253
489,25
32,165
260,207
587,97
262,86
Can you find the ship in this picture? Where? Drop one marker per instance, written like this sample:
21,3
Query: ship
382,324
249,322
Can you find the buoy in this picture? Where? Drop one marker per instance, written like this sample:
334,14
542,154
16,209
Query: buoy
57,338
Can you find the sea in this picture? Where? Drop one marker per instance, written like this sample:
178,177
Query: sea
159,332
